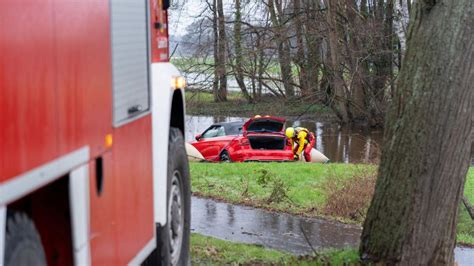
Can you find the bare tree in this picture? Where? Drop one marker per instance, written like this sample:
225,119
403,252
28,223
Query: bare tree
221,52
344,53
469,207
339,102
239,73
275,8
426,154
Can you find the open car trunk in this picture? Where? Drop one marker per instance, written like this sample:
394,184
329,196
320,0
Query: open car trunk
267,142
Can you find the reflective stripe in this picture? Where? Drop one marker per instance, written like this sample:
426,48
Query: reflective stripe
3,228
79,205
23,184
144,253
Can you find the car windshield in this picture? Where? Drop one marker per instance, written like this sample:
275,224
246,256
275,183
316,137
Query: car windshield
265,126
214,131
234,129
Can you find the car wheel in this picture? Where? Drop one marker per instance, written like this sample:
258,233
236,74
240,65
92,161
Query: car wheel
22,242
174,236
225,157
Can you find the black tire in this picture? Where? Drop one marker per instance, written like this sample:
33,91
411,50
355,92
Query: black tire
225,157
173,245
22,242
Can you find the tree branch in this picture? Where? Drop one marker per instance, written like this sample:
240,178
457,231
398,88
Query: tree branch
469,207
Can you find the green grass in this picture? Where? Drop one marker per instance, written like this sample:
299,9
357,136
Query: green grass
202,103
212,251
306,183
192,64
237,183
465,234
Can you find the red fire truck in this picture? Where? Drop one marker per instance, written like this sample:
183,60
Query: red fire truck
93,168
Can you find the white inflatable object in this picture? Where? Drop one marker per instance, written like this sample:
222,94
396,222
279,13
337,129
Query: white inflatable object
193,154
316,157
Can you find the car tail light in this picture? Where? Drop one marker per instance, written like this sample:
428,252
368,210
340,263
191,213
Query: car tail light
244,142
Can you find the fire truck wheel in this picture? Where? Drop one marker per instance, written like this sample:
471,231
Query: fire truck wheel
175,235
22,242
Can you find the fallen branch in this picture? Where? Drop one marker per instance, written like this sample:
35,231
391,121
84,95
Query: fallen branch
469,207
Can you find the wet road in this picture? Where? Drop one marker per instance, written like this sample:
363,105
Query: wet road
278,231
284,232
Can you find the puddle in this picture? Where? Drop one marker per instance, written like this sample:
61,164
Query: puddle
277,231
464,256
289,233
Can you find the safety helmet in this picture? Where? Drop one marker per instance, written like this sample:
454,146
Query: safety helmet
290,132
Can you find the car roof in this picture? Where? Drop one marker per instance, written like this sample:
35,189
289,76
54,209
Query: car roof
229,124
231,128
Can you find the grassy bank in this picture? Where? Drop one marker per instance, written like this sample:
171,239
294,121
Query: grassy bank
335,191
212,251
202,103
465,224
205,66
297,188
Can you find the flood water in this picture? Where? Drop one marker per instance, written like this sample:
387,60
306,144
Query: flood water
342,144
339,144
294,234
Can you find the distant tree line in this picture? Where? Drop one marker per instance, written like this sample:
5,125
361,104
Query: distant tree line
345,54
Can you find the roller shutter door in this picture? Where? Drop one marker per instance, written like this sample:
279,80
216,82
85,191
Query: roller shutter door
130,59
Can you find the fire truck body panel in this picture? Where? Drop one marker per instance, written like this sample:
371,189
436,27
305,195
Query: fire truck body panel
161,118
57,76
57,119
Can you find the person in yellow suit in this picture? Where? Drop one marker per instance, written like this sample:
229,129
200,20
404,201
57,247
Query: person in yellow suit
304,140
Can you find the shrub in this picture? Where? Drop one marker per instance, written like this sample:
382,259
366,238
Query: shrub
350,199
279,191
263,177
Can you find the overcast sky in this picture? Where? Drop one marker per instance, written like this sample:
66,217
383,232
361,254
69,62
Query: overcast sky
182,16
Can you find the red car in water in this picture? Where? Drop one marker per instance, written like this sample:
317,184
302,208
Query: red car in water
258,139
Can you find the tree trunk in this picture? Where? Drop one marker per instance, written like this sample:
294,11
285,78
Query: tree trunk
409,6
356,57
469,207
222,47
239,73
382,59
283,48
313,40
260,67
426,153
388,44
300,59
215,83
339,101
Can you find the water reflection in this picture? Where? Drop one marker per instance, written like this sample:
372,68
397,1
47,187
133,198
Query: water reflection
339,144
280,231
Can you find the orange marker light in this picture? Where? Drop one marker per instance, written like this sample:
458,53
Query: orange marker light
108,141
178,82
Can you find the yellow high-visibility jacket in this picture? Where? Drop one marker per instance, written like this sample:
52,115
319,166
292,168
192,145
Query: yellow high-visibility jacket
301,134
